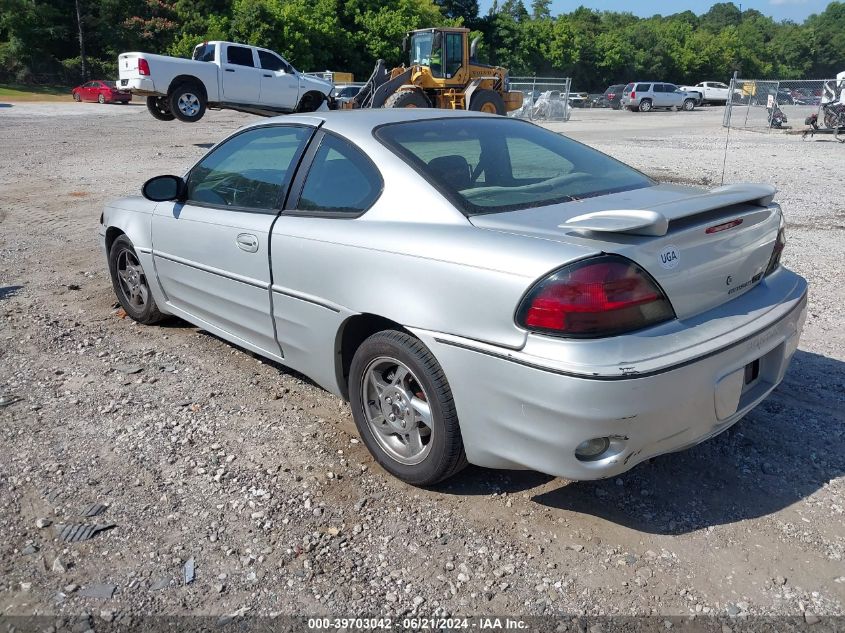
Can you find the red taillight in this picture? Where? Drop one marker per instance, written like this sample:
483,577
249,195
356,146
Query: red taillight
633,95
611,95
600,296
143,66
780,244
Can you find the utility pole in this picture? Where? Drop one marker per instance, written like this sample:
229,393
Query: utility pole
83,61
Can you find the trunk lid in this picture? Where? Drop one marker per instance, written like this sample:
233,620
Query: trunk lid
127,65
664,229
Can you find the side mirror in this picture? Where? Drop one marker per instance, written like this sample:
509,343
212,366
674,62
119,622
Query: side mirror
163,188
405,44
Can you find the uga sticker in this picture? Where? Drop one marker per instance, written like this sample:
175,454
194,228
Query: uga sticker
669,257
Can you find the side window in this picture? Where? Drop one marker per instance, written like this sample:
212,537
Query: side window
454,54
671,87
660,88
341,180
643,87
239,55
272,62
250,171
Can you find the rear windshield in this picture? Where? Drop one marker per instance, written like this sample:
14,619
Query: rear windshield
108,84
629,88
489,165
204,53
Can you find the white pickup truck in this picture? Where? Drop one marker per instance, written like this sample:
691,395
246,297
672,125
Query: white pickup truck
220,75
711,92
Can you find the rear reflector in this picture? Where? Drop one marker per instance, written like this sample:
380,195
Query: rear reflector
143,67
595,297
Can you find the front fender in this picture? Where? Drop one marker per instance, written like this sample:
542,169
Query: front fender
132,216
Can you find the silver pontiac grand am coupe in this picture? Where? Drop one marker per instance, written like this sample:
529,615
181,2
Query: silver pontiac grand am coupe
479,289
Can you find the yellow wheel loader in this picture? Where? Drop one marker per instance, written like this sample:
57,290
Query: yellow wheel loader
442,73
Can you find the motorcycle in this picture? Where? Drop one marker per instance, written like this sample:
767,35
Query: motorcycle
776,116
832,110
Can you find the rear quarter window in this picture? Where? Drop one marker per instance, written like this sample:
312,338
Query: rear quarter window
341,180
643,87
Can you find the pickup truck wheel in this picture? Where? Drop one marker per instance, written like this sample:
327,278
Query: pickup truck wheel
645,105
689,104
404,410
187,102
159,109
130,283
310,102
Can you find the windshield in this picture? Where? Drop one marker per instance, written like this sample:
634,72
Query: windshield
421,44
492,165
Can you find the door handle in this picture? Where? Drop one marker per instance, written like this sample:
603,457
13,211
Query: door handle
230,70
267,75
247,242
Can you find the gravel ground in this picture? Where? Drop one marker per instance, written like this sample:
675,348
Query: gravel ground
207,455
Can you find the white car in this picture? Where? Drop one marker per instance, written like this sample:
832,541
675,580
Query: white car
220,75
711,91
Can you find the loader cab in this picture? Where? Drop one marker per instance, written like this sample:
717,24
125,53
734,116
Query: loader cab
443,51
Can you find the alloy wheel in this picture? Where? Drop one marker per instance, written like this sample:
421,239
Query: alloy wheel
133,282
397,410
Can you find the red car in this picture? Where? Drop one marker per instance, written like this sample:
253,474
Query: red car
101,91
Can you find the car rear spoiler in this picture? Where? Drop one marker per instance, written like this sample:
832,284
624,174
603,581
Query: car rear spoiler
655,220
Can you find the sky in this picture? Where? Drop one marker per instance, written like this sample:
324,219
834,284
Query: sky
796,10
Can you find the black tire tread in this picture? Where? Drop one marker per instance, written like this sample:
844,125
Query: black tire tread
454,460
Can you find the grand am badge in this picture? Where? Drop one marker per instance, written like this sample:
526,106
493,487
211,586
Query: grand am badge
669,257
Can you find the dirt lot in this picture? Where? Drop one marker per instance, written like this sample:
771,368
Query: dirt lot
202,451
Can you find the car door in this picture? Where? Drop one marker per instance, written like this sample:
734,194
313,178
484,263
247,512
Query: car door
241,77
211,250
674,96
659,99
336,184
720,91
279,82
89,91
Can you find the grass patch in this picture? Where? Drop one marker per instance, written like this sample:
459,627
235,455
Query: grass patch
18,92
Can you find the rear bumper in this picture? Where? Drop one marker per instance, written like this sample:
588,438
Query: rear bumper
141,85
519,414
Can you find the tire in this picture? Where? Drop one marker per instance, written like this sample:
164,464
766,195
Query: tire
187,101
101,99
310,102
76,97
645,105
130,283
157,106
376,393
488,101
407,99
689,105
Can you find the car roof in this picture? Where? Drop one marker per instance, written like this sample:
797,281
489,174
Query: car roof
360,123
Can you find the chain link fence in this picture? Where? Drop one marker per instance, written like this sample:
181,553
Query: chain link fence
761,105
543,98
